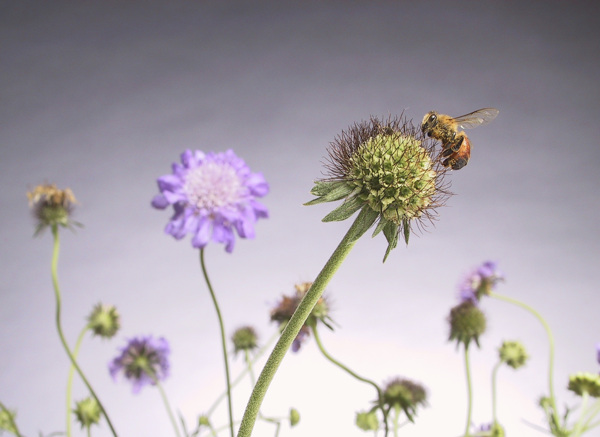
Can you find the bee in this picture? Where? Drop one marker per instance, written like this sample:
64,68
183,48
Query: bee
456,146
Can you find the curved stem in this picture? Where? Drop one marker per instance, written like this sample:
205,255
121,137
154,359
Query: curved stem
70,378
352,373
223,339
55,253
294,325
494,392
469,391
551,347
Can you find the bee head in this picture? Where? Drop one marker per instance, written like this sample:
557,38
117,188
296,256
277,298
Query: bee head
429,122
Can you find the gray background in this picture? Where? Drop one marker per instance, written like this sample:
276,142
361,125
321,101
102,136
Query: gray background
103,96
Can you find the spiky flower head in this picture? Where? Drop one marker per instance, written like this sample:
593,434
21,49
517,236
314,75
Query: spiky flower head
585,383
387,169
405,394
286,307
7,421
87,412
481,281
513,353
467,323
294,417
52,207
104,320
244,339
367,420
143,361
212,195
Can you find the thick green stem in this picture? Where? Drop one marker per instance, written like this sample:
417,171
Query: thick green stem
469,392
352,373
70,378
292,328
223,339
551,353
494,392
55,253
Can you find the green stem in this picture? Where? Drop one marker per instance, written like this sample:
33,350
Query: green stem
469,391
55,253
297,321
240,377
10,418
578,429
352,373
396,420
70,378
223,339
494,392
551,347
165,400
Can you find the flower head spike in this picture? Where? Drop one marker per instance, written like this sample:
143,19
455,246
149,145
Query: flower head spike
52,207
143,361
480,282
585,383
467,323
284,310
104,320
388,167
406,394
87,412
212,195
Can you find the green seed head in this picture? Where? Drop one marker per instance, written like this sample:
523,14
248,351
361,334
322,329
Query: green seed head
467,322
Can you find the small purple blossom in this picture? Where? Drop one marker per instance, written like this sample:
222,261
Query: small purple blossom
143,361
480,281
212,194
598,352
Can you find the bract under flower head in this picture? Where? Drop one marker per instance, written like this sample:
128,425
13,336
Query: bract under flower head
143,361
212,195
389,168
481,281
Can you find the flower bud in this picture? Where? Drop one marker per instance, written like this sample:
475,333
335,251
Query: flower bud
294,417
467,322
585,383
104,320
513,353
405,394
367,421
244,339
87,412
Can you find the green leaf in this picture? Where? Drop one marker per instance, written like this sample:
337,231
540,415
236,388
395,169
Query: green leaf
391,235
344,211
364,221
329,192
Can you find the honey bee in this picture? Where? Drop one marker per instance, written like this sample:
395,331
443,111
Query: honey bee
456,146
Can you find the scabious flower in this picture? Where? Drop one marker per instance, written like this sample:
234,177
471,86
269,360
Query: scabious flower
598,352
212,195
104,320
285,309
513,353
87,412
244,339
467,323
387,169
406,394
143,361
52,207
585,383
481,281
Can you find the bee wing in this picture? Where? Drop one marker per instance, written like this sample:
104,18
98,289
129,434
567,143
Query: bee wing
476,118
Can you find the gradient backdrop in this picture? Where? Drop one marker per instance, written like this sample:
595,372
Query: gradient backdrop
103,96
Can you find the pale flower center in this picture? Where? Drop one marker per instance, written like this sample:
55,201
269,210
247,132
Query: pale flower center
212,186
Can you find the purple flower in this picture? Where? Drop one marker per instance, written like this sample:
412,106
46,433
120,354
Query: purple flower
481,281
598,352
143,361
212,194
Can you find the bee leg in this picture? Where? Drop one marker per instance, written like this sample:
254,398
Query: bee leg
459,163
457,142
446,162
447,150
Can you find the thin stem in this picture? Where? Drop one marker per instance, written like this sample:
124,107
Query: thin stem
352,373
396,420
240,377
292,328
70,378
551,353
13,424
469,391
55,253
223,339
494,392
165,400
